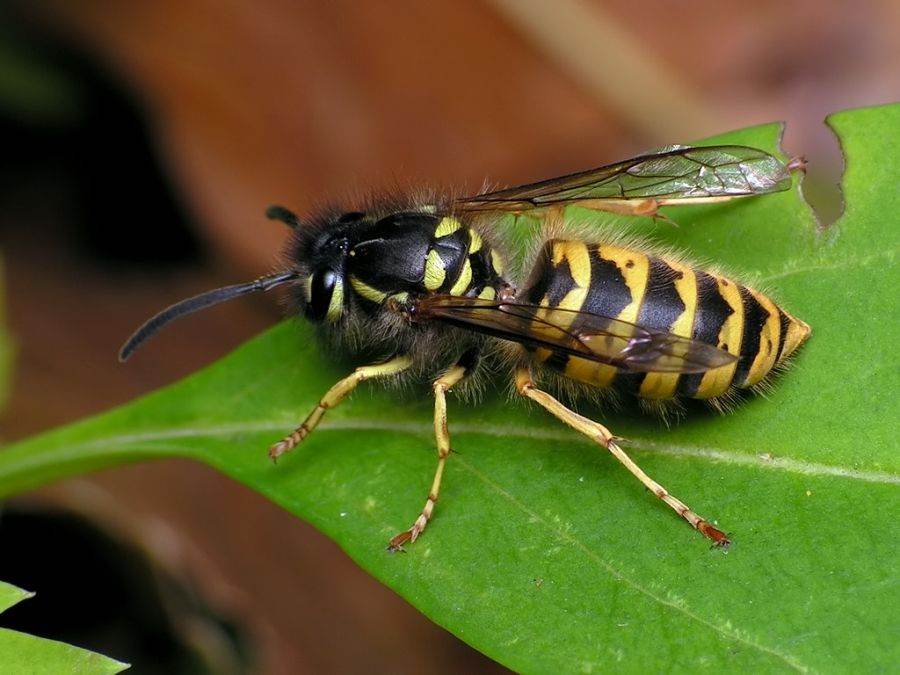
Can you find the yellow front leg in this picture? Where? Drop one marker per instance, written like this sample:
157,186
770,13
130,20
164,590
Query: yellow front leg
335,395
442,437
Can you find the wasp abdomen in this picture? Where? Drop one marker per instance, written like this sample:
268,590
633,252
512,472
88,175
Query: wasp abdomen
663,294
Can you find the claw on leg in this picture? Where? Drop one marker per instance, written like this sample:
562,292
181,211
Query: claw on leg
410,535
333,397
296,437
442,437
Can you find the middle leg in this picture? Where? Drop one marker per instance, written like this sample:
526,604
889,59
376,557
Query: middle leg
442,437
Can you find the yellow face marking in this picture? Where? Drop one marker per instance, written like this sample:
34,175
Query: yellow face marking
488,293
497,262
465,278
663,385
367,291
768,341
307,291
447,226
434,271
474,242
336,305
716,382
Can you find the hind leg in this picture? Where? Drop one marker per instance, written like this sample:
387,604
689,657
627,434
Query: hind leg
600,434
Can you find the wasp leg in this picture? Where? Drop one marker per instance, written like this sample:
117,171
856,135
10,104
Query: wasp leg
442,437
335,395
600,434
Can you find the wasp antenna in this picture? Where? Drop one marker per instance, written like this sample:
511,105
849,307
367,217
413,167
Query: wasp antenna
194,304
284,214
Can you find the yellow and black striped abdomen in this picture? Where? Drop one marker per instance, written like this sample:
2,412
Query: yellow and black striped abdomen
663,294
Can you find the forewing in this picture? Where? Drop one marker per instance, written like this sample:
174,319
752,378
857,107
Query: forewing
590,336
674,173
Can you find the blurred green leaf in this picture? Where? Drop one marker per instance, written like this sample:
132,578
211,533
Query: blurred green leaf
544,553
21,653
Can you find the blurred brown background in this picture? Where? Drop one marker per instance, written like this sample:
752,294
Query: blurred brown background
142,141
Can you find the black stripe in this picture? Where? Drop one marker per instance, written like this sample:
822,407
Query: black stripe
784,323
712,312
608,294
548,280
755,317
660,308
557,361
483,273
391,256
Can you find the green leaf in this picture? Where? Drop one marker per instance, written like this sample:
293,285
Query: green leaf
22,653
546,554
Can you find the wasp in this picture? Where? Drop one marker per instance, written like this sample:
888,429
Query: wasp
423,285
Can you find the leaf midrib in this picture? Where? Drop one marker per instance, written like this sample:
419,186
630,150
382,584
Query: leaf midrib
641,445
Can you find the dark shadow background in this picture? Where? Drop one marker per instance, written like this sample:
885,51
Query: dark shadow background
141,142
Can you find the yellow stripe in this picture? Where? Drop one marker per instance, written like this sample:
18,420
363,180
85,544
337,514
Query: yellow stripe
497,262
542,354
488,293
474,242
400,297
597,374
465,278
768,341
577,256
716,382
336,306
575,253
447,226
797,333
663,385
434,271
635,276
367,291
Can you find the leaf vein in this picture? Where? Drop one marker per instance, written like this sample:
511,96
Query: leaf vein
421,429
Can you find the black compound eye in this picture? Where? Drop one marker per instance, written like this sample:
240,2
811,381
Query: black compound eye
321,287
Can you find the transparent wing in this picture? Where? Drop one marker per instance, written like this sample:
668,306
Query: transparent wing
590,336
674,173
